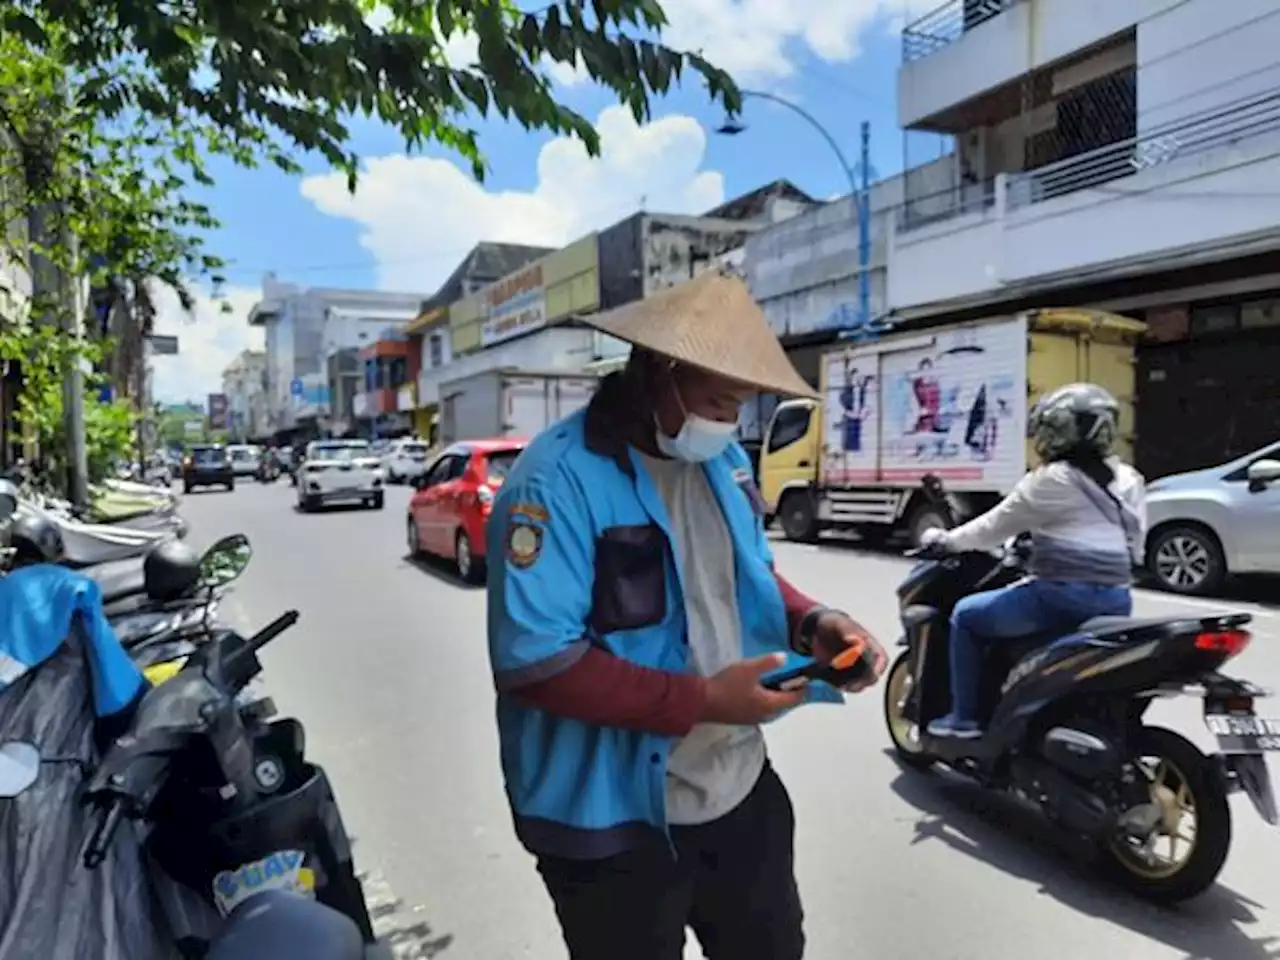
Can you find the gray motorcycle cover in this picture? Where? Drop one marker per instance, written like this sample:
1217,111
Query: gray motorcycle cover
51,906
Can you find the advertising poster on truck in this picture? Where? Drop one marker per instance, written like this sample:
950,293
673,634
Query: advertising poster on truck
852,421
951,404
957,409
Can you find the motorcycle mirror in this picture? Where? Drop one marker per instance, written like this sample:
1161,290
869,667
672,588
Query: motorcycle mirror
225,560
19,768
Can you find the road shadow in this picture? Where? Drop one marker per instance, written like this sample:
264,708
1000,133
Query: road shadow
1006,835
439,568
336,508
400,934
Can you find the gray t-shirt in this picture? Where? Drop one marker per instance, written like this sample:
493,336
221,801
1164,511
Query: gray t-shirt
714,767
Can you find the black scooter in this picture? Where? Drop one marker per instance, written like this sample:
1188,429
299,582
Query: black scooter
1063,720
236,809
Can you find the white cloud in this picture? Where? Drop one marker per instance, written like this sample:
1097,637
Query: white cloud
419,215
208,339
755,40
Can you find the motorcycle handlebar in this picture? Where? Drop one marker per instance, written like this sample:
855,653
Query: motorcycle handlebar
109,819
264,636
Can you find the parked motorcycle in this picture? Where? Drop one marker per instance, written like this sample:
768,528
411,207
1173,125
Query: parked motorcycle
88,544
234,807
1064,726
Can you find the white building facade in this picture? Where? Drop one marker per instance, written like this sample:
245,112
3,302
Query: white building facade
244,382
304,326
1095,139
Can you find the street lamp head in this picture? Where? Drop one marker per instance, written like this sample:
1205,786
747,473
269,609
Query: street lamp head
731,127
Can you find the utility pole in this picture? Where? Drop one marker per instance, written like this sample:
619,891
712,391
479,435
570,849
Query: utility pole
864,230
73,311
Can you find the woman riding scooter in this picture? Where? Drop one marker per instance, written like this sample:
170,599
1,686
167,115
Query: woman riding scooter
1086,512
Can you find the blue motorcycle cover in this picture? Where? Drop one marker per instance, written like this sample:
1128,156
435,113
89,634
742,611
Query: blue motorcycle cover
61,669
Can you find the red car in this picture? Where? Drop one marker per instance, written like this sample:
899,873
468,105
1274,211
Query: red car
451,503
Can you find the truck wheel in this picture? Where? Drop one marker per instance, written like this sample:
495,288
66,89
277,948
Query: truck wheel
798,516
925,517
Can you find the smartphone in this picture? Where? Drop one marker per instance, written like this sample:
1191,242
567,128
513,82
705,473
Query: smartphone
848,667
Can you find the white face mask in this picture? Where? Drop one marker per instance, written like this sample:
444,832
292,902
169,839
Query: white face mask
699,439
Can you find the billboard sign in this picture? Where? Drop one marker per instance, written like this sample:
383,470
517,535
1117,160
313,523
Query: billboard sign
218,410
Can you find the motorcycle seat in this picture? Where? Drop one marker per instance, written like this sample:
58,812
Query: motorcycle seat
1109,626
118,579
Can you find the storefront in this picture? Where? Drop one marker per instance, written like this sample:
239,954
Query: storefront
1208,383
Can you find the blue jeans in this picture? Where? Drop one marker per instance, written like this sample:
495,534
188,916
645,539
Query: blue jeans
1030,606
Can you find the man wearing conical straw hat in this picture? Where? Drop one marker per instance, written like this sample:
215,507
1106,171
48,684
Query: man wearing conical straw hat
633,612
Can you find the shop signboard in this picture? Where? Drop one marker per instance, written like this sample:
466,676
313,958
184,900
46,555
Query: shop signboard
514,305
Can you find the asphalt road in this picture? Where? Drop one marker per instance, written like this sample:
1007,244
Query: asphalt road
388,671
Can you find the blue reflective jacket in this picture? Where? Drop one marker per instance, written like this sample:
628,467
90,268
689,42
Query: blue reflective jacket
37,604
578,555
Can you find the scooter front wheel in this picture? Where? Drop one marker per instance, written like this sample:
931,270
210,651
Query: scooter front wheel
904,733
1182,854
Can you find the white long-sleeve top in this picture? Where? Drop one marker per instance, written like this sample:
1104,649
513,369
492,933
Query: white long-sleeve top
1078,531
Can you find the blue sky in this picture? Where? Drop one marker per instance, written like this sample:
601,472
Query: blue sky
271,223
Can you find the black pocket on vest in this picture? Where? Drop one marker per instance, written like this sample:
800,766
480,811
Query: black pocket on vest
630,589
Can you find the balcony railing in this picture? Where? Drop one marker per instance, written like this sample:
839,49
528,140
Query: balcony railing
953,201
1222,126
947,24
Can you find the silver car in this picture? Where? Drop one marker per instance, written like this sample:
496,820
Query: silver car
1208,524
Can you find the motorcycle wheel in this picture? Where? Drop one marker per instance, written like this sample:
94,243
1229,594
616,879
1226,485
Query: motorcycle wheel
903,734
1184,784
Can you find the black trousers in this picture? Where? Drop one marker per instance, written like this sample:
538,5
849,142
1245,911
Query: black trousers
733,884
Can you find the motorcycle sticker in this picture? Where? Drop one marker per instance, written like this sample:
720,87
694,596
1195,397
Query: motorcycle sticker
282,870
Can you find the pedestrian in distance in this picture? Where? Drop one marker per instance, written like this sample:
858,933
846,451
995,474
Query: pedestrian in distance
634,609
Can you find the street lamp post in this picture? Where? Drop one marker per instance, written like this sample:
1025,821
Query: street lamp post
859,189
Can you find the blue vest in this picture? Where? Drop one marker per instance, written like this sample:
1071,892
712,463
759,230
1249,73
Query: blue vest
578,550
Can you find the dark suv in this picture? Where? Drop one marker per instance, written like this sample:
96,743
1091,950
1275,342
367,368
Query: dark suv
207,465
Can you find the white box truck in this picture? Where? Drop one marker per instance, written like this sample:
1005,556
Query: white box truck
950,401
509,403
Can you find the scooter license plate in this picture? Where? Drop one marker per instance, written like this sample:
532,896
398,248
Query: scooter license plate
1244,734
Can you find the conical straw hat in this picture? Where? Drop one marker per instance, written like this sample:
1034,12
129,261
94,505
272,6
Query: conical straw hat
711,322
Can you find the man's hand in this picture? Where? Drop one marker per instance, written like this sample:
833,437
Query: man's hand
835,632
736,696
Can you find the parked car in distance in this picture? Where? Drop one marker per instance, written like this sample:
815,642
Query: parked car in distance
207,465
334,471
404,460
244,458
449,509
1206,525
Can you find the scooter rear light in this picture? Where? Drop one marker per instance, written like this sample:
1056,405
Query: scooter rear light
1229,642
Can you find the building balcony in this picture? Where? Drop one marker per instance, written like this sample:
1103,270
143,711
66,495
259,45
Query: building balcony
966,49
1196,188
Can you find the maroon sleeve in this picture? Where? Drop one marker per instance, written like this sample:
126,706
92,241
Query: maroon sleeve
797,603
607,691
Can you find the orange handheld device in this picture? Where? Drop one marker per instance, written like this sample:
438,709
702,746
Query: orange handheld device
848,666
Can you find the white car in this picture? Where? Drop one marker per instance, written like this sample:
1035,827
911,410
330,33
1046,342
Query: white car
405,460
244,459
335,471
